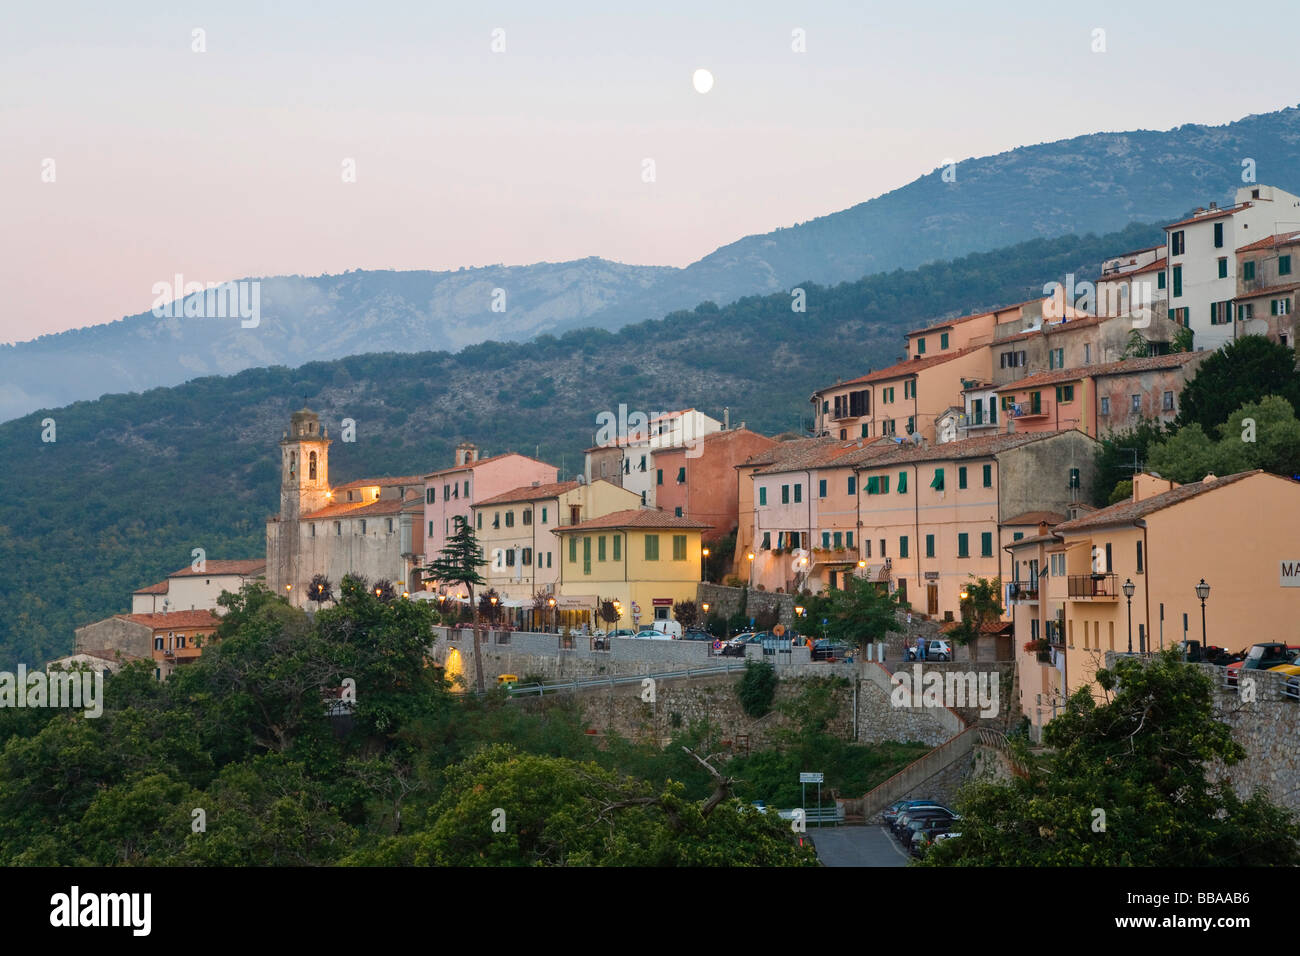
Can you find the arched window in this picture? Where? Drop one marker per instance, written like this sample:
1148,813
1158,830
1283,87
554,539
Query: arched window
311,467
293,464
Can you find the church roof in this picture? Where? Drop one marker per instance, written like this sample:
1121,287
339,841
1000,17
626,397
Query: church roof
363,509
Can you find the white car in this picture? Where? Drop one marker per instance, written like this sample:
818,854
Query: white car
652,635
934,651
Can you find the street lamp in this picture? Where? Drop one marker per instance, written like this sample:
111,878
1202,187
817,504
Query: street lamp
550,603
1129,587
1202,592
704,570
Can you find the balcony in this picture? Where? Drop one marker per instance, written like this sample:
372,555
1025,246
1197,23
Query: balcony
1024,591
835,556
1092,587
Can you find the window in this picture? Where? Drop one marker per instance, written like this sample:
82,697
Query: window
873,485
652,547
993,410
1178,281
988,476
1160,279
1016,536
157,643
573,549
679,547
430,495
1284,265
943,340
338,528
1105,405
600,548
839,540
785,494
884,484
1074,477
643,462
313,530
798,493
1137,403
882,547
390,526
466,487
826,539
681,475
1246,311
848,539
762,495
543,516
911,424
659,477
963,545
853,484
902,482
909,388
767,541
929,546
986,544
510,557
528,516
586,554
1223,267
920,346
821,488
1177,246
888,427
1056,358
1167,404
1139,557
1248,270
937,482
1218,236
510,518
902,546
618,548
977,412
961,477
480,524
1064,394
866,429
527,557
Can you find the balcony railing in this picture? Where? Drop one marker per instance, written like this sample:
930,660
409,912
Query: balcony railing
1092,587
1024,591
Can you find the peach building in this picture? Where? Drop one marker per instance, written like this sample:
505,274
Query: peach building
1268,277
1099,399
170,639
1237,533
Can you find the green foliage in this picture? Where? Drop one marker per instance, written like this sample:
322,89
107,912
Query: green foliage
1184,339
861,612
757,688
1142,756
686,613
982,603
1121,454
1262,434
1123,492
1240,373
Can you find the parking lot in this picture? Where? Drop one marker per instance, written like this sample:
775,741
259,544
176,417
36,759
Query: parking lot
857,846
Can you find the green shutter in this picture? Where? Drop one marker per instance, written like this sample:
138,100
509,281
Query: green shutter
652,547
681,475
943,340
902,546
873,485
963,545
902,482
573,549
826,539
762,496
618,547
853,484
679,547
961,477
821,488
600,548
986,544
659,476
586,554
920,346
1284,265
988,476
937,483
1248,270
798,493
929,546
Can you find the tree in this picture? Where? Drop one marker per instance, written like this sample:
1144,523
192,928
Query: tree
320,589
1183,339
981,601
608,613
1263,434
757,688
1241,372
489,606
1126,782
1136,346
686,613
1123,454
861,612
383,590
458,564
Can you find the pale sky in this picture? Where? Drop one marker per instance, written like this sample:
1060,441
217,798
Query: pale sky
228,163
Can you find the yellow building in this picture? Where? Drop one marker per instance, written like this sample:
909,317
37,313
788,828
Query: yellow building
646,560
1240,534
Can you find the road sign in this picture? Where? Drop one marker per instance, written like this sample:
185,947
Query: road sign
812,778
779,630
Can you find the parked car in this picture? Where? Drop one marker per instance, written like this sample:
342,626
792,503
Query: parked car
623,632
696,634
650,634
829,651
1263,656
938,650
906,819
670,628
892,811
1193,653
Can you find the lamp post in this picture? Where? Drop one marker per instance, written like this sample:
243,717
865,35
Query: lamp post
550,603
750,558
1202,592
704,570
1129,587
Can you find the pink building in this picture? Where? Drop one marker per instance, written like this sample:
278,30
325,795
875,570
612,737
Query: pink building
449,493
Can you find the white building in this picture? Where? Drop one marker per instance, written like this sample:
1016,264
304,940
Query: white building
667,430
197,590
1202,280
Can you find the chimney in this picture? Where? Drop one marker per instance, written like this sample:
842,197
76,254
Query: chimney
726,418
1213,206
1042,528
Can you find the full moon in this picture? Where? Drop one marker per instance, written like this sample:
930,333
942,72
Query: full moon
703,81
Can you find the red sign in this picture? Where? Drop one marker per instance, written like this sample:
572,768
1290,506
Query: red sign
663,602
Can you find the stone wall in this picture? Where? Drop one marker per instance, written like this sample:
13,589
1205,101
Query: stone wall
1268,727
115,634
725,601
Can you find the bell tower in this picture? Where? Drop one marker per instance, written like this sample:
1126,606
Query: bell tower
304,467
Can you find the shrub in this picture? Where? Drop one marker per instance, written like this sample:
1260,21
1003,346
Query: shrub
757,688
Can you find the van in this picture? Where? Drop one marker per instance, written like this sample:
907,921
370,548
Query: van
668,629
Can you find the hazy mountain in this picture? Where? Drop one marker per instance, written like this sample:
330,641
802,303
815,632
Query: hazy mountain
1095,183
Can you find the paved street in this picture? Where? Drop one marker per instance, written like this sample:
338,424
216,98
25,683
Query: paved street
857,846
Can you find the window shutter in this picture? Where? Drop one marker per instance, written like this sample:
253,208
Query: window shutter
937,483
902,482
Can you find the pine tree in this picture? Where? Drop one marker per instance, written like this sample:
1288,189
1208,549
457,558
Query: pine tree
458,564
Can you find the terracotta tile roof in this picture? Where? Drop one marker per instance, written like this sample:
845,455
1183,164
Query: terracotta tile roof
1209,214
1268,290
988,627
159,588
982,446
1054,328
1048,538
711,438
780,451
381,482
1126,512
904,368
362,509
634,518
949,323
1270,242
245,567
173,619
1126,367
1035,518
820,453
529,493
482,461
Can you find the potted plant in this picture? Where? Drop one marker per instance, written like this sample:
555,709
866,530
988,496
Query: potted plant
1040,647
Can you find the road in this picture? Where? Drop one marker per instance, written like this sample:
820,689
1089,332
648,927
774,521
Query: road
857,846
